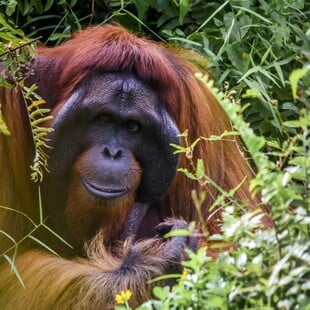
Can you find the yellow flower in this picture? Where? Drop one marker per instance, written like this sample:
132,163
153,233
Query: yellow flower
123,297
184,273
245,55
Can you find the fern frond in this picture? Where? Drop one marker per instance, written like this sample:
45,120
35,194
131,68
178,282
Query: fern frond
38,115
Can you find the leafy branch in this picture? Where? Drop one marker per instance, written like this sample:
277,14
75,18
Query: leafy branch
38,115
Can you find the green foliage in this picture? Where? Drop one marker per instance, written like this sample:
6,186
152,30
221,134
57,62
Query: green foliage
252,45
52,19
16,52
267,269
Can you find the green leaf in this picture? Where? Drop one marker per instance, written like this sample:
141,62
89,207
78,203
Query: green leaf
253,13
24,7
48,5
184,8
279,72
195,143
177,233
294,78
10,7
9,27
42,244
15,270
219,9
37,4
187,173
200,169
57,236
142,6
161,293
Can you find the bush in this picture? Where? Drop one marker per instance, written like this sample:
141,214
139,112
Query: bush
268,269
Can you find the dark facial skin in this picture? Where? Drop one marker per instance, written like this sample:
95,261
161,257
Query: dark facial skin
117,127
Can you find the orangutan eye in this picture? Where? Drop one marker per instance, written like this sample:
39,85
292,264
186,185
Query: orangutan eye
133,126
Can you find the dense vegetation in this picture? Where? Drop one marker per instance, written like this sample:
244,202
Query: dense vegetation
258,52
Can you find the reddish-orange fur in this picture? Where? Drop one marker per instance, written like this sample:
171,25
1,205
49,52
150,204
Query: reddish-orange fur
85,283
189,102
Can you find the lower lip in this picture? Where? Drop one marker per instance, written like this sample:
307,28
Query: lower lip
104,193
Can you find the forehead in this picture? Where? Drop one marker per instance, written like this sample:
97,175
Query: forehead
121,89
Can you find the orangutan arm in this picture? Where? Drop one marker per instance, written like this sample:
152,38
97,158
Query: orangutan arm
52,282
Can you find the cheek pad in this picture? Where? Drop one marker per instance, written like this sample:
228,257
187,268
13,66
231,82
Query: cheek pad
158,162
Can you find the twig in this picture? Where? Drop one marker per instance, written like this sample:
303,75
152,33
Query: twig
21,46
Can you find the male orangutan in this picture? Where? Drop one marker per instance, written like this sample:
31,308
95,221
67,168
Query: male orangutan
118,103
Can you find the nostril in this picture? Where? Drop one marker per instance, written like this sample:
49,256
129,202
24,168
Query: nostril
106,152
118,154
115,153
112,152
